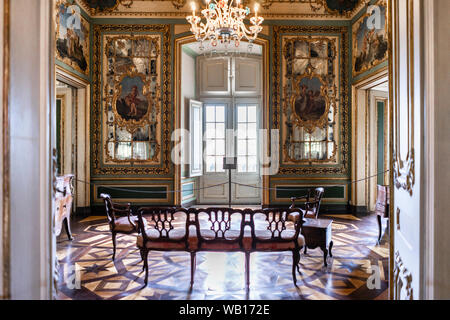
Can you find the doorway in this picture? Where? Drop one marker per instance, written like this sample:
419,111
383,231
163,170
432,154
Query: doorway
229,89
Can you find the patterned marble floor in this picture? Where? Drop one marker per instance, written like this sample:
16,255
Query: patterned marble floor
221,275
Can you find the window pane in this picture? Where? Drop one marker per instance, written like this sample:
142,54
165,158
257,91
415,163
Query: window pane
220,147
242,114
220,131
140,150
123,151
210,113
251,165
251,130
220,114
252,147
242,164
210,164
251,114
241,148
210,147
219,164
242,131
210,131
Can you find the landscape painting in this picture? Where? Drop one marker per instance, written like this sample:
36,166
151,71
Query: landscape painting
370,43
72,37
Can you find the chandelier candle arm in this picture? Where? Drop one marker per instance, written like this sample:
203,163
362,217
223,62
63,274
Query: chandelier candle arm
224,22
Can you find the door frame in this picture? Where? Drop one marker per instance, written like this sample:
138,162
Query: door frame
179,41
82,129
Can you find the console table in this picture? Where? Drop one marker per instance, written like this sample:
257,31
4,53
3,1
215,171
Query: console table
317,233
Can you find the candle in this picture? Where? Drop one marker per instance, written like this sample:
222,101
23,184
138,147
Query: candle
193,8
256,10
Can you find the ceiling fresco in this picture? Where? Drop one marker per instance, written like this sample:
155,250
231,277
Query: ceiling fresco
271,9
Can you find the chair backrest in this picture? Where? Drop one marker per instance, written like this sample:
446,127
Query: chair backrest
108,208
275,222
318,195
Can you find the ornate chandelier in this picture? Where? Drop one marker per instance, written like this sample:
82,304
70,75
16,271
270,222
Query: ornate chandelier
224,22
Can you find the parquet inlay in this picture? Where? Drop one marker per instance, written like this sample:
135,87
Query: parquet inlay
221,275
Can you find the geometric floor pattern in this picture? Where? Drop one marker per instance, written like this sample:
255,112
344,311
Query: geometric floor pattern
87,271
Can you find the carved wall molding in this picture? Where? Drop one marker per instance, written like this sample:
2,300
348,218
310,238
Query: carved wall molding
404,168
342,96
402,279
311,9
99,167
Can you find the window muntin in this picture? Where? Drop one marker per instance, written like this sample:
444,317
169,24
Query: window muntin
246,138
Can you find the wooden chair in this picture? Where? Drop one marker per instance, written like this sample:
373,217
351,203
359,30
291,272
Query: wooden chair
126,224
382,206
311,205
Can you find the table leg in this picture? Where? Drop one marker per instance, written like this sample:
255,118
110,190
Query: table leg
330,247
325,254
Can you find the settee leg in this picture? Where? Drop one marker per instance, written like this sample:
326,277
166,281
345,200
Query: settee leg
146,266
247,269
193,265
295,261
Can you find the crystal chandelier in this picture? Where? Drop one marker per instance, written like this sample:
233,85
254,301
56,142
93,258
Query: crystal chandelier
224,23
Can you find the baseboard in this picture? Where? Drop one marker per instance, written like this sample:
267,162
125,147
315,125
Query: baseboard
83,212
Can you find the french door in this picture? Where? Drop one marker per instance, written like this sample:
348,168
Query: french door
231,129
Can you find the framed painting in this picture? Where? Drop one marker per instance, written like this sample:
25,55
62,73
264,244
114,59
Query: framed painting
72,37
370,42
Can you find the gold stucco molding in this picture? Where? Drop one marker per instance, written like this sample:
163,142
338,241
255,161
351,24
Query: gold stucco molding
98,166
402,279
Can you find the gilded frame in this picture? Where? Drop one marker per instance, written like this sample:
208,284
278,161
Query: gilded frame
309,125
355,27
99,167
86,24
342,168
131,125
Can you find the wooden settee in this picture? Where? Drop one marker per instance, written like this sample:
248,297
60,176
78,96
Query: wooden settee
219,229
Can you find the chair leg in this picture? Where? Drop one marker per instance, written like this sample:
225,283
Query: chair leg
295,262
247,269
298,263
146,266
379,228
114,245
193,265
141,251
67,227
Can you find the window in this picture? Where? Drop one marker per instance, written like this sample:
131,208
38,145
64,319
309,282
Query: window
246,138
214,137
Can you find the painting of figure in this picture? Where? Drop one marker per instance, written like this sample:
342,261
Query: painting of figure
72,37
310,104
370,44
132,104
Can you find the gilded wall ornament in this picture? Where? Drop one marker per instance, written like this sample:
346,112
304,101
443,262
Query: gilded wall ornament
72,37
335,163
370,42
129,112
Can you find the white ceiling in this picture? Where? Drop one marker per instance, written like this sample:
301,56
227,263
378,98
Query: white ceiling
381,87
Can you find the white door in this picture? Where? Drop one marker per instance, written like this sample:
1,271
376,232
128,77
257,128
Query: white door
407,132
231,129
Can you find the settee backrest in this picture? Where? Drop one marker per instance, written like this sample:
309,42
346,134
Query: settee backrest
226,225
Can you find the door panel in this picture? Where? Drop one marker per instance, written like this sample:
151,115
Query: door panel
214,76
407,107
